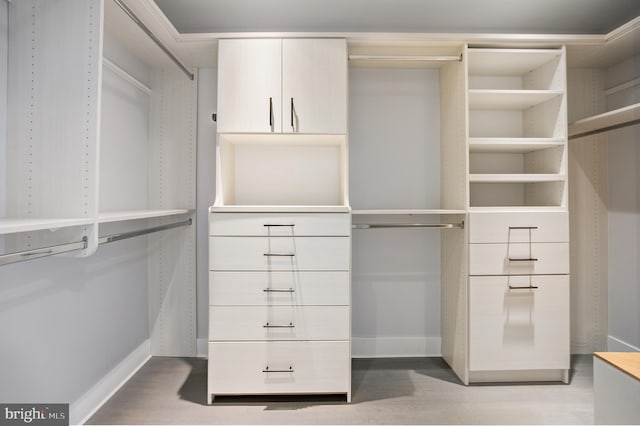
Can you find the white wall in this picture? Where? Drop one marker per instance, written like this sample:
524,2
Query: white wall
4,33
66,322
206,185
394,162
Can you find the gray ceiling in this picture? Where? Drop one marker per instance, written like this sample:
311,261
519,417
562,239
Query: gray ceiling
429,16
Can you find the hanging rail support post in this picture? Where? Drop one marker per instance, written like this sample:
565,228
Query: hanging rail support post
21,256
123,236
153,37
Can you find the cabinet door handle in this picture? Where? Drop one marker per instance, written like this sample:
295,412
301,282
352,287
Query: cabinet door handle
524,287
268,370
267,325
292,115
277,224
528,259
278,290
271,113
523,227
279,254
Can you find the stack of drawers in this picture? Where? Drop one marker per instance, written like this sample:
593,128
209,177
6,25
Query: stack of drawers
279,303
518,295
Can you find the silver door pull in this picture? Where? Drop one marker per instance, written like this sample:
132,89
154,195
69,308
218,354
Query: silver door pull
524,287
279,254
523,227
290,325
528,259
280,224
278,290
268,370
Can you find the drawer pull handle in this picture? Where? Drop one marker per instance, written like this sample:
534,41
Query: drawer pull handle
267,325
528,259
523,227
279,254
524,287
279,224
267,370
278,290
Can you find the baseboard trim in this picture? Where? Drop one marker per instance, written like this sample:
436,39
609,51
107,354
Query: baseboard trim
202,345
392,347
84,407
617,345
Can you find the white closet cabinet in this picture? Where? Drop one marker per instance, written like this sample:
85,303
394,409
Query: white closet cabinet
282,86
518,216
280,227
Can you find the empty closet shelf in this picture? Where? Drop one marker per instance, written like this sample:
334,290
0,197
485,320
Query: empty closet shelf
13,225
512,145
399,212
490,99
119,216
515,178
611,120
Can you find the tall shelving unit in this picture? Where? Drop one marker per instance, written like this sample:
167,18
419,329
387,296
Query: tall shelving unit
99,143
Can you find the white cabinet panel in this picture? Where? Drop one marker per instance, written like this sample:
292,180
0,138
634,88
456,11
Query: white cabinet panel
314,75
519,329
280,224
261,288
279,253
278,323
279,367
535,227
249,85
519,259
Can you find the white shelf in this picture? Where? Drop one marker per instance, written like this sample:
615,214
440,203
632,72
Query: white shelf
515,178
391,212
518,209
605,121
512,145
120,216
508,62
490,99
278,209
10,226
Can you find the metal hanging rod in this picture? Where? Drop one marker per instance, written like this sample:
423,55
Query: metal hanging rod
21,256
409,225
155,39
412,58
605,129
124,235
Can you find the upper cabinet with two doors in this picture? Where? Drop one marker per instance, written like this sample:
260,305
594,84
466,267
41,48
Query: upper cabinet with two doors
282,86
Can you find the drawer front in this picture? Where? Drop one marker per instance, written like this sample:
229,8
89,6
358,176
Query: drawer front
278,323
261,288
280,224
511,259
542,227
293,367
279,253
518,329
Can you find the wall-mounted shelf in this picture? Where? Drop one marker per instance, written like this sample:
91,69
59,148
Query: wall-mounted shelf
607,121
490,99
278,209
394,212
10,226
120,216
515,178
508,62
512,145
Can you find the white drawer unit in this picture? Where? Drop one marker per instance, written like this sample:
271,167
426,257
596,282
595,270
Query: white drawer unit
504,227
279,303
519,323
289,288
519,259
279,253
245,368
229,323
280,224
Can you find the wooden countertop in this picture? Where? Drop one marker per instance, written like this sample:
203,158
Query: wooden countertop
629,362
